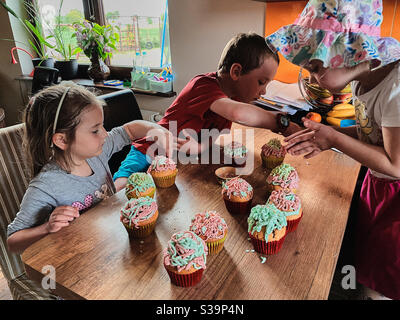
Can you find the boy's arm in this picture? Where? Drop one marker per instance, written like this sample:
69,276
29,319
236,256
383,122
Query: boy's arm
140,128
249,115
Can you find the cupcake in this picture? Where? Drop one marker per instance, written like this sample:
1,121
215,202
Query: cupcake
139,216
163,170
185,258
284,177
272,154
237,194
211,228
290,204
235,153
140,184
267,228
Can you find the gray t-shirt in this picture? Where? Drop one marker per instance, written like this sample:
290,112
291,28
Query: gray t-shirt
54,187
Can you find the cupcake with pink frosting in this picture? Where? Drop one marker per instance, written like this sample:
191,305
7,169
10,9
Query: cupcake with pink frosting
163,170
272,154
237,194
139,216
284,177
212,228
185,258
290,204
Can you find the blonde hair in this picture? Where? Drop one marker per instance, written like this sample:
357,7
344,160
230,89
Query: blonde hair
39,117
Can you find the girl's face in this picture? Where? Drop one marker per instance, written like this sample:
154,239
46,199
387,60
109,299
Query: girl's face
252,85
333,80
89,135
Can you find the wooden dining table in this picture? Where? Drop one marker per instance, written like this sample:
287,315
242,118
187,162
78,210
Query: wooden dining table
94,258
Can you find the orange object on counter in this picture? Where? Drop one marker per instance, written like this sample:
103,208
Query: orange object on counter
314,116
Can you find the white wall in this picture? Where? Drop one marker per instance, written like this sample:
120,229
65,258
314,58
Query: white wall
199,30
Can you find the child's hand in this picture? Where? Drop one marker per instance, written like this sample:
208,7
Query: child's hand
311,141
293,128
165,141
188,144
61,217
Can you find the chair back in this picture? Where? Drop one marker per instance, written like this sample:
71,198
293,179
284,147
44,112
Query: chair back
121,108
13,184
43,77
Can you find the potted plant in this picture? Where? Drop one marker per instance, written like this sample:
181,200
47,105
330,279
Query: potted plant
38,42
62,35
97,43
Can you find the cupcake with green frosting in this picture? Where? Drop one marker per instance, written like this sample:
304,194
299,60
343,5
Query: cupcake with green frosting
283,177
140,184
185,258
267,228
235,153
272,153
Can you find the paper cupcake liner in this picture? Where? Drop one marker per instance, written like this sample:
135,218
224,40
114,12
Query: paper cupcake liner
142,231
165,182
185,280
238,207
216,245
271,162
271,247
132,194
292,224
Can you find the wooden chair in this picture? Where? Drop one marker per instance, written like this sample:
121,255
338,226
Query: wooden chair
13,183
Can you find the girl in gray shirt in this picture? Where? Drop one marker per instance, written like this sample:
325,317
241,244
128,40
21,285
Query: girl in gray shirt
68,150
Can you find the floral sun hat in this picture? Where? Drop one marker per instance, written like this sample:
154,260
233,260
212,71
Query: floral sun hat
340,33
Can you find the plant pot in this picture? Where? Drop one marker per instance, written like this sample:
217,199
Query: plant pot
98,71
68,69
37,62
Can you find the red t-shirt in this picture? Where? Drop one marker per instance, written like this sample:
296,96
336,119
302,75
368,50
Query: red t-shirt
191,109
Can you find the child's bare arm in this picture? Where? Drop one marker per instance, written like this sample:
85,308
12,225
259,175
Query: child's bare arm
60,218
384,159
249,115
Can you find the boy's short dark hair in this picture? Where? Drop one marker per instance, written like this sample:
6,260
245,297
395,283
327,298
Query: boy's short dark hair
248,49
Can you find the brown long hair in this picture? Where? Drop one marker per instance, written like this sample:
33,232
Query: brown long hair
39,117
248,49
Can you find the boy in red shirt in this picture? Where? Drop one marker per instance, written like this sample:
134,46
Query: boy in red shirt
215,100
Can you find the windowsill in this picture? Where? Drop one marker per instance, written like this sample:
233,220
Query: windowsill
90,83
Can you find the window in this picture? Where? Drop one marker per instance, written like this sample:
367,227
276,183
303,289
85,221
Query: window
142,27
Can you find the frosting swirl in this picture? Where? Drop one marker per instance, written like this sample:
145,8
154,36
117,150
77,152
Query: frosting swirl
237,187
273,148
185,249
267,216
209,225
287,202
139,182
235,149
162,163
285,176
137,210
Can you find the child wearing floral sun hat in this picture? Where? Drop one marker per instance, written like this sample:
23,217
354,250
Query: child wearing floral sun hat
339,42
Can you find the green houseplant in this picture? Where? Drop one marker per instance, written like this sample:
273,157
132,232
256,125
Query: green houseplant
97,43
38,42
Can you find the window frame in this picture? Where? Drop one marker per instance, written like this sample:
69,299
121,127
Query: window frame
93,10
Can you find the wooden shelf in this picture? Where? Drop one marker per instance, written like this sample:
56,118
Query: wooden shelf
90,83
